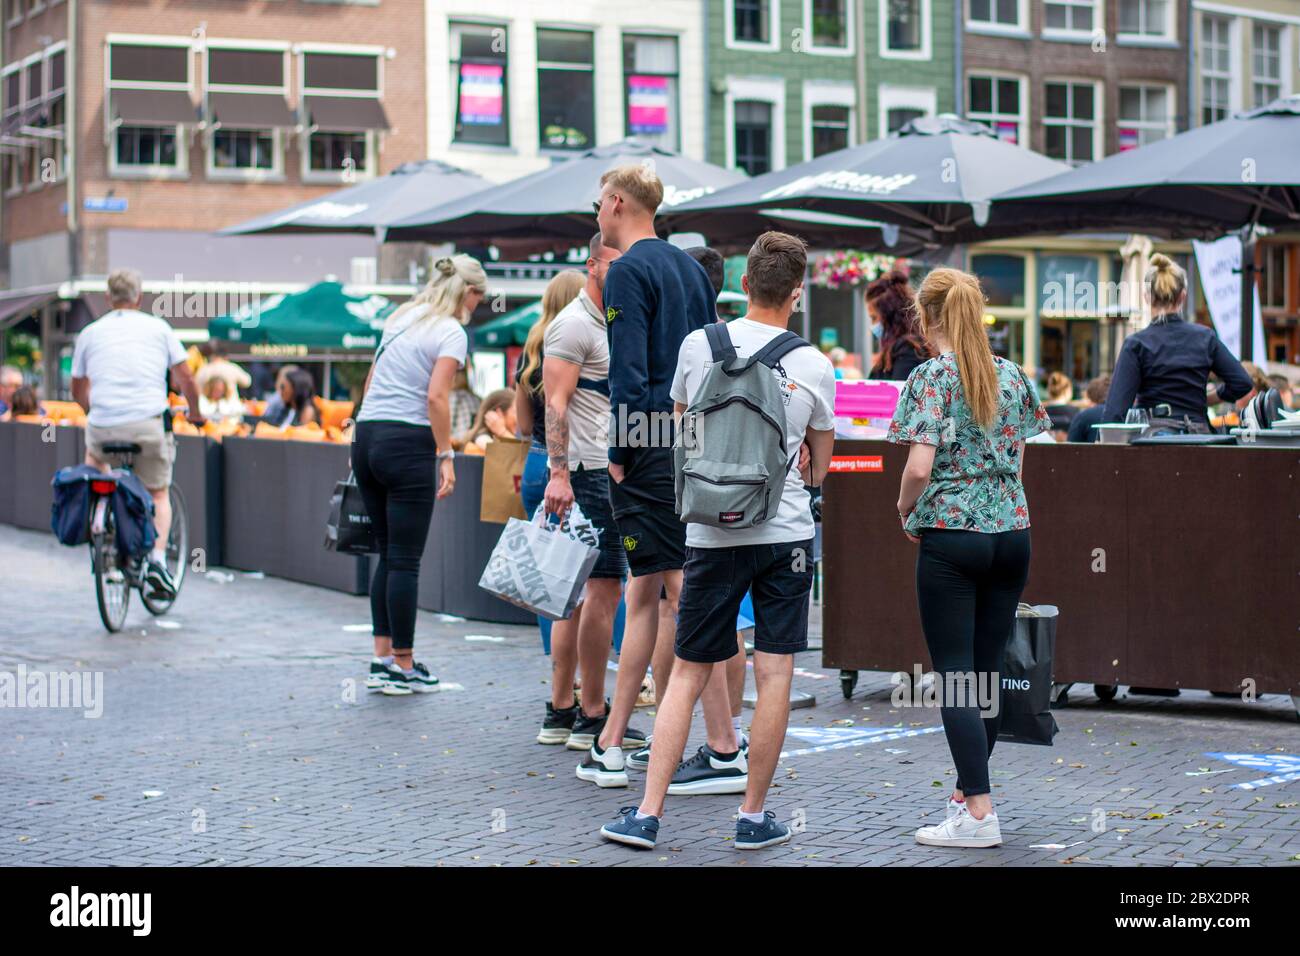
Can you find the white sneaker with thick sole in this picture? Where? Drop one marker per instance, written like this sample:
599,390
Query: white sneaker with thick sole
953,808
962,830
603,768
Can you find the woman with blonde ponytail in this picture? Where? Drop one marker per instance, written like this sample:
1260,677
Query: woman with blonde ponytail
966,415
403,436
1165,368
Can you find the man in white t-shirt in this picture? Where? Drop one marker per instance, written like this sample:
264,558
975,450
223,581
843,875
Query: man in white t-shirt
773,559
120,369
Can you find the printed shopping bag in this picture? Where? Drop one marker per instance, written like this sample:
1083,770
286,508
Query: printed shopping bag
1027,678
349,530
543,566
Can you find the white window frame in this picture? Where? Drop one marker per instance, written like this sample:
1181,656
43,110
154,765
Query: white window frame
729,29
765,90
850,6
890,97
1019,28
1171,107
1022,119
34,173
927,48
1284,69
826,94
597,95
1233,74
1170,34
517,130
60,152
276,172
1098,121
17,18
650,33
182,168
1065,33
16,155
311,176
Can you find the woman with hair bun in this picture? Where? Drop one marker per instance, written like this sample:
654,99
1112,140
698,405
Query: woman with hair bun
892,307
403,439
1169,362
966,416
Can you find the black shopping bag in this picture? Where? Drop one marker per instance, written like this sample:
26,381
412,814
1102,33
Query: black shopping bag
1027,678
349,530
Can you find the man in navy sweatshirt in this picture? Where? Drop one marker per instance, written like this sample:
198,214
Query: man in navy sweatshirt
655,295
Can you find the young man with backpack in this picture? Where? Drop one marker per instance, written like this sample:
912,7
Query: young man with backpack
749,394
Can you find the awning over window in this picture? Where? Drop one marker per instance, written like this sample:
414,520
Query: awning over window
346,114
152,107
16,305
250,111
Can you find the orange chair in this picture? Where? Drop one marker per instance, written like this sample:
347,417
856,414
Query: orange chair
264,430
333,413
304,433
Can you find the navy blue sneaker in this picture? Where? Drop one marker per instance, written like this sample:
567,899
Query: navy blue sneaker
756,836
631,831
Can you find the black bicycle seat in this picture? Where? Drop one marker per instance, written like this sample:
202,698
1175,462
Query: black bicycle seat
121,448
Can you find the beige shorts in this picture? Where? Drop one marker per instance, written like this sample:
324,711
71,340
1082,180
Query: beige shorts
153,465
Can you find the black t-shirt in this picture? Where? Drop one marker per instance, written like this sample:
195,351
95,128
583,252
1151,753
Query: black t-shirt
1081,424
904,357
535,398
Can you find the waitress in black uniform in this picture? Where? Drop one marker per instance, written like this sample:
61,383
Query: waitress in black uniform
1169,362
892,307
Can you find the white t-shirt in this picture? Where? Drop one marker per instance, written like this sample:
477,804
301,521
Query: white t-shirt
577,334
399,388
126,355
808,385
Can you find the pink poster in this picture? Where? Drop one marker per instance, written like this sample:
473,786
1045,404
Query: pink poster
481,94
1128,139
647,104
1007,132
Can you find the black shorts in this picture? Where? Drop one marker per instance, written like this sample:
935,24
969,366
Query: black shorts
644,506
591,492
778,575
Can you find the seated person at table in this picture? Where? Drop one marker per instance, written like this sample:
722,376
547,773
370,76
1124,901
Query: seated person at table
1169,362
276,411
1283,386
217,399
1081,429
10,379
296,392
495,419
1060,392
22,404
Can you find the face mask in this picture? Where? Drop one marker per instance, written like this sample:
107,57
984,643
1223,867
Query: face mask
875,332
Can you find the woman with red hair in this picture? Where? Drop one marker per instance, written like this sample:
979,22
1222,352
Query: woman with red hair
892,307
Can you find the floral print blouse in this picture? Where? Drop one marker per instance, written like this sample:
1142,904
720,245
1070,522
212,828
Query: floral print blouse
975,482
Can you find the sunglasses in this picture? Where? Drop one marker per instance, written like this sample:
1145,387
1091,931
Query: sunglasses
596,205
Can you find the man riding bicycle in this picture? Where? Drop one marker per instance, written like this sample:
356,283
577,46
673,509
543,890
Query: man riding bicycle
119,376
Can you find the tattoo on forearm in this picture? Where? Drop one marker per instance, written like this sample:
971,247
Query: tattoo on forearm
557,434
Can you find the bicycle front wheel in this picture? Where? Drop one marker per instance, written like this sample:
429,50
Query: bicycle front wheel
177,554
112,586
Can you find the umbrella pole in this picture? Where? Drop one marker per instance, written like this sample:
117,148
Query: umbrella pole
1248,270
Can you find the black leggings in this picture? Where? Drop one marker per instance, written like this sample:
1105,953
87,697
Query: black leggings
968,584
394,465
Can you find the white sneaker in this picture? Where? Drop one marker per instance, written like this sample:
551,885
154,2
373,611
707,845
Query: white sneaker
962,830
953,808
604,768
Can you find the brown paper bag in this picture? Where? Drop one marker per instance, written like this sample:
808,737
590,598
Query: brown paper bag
503,475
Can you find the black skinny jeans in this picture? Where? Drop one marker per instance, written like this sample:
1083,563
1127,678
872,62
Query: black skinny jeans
968,585
394,464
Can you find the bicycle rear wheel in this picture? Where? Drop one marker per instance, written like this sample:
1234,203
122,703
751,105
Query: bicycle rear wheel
177,560
112,585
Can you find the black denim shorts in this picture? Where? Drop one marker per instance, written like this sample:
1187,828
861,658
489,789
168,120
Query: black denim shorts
591,492
779,576
644,504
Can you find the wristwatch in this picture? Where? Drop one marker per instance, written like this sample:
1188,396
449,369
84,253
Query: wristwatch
445,455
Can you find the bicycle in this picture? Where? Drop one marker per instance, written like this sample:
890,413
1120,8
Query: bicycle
116,575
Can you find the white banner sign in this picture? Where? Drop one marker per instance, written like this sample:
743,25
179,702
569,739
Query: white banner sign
1218,263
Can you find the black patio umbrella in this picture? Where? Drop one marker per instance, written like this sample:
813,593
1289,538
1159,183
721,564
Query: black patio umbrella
371,206
555,203
1238,173
934,178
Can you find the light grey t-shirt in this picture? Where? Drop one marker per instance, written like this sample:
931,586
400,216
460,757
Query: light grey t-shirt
126,355
399,387
578,335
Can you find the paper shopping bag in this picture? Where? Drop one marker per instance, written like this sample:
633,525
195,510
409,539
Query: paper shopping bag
1026,715
503,474
543,567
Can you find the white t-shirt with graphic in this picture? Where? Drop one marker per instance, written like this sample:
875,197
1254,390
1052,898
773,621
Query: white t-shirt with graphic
126,355
399,387
807,382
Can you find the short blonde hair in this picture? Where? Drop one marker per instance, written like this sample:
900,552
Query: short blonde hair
638,182
124,287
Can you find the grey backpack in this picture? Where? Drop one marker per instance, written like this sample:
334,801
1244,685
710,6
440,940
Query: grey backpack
731,459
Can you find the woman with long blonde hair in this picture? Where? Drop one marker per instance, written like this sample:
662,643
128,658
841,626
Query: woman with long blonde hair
402,432
966,415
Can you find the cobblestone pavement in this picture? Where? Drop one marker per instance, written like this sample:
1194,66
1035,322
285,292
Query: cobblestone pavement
236,715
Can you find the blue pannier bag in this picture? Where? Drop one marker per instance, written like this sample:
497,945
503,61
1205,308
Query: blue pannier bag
133,515
70,512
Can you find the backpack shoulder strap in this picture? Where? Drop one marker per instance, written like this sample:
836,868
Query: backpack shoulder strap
719,340
780,346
